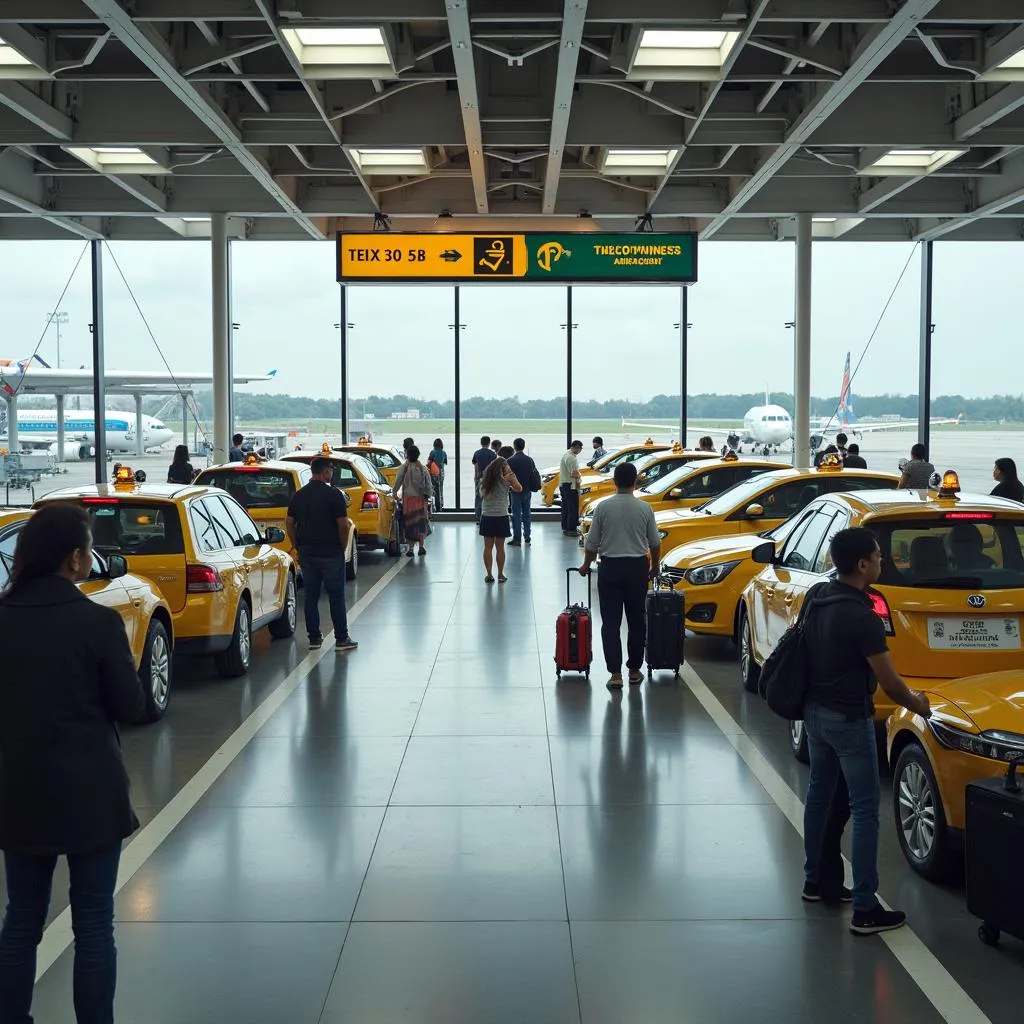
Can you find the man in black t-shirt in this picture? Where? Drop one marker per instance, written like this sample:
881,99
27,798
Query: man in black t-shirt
482,458
318,528
846,654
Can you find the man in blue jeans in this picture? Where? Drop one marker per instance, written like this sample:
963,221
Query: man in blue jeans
847,653
318,528
525,470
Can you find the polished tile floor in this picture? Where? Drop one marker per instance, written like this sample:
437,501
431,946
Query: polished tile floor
433,829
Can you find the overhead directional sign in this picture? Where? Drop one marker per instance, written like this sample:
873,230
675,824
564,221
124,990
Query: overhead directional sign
532,257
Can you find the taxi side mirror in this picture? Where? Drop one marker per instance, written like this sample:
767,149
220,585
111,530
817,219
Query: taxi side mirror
117,566
754,511
676,493
275,535
764,554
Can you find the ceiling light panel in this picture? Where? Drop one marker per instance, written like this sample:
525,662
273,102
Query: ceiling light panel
341,52
635,162
390,161
910,162
681,55
118,159
10,57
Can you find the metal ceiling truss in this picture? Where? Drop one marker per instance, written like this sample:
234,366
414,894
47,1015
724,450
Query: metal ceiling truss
517,109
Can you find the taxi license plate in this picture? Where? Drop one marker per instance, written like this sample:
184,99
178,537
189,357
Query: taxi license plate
982,633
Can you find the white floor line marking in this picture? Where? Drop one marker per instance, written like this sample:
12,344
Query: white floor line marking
58,936
939,986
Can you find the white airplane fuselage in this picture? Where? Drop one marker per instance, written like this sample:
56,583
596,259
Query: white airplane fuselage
766,424
38,427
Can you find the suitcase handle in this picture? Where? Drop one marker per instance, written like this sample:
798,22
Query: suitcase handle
569,573
1012,785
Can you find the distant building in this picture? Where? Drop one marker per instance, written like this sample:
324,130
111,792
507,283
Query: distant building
409,414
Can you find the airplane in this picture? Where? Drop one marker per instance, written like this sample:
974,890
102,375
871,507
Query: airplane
768,426
37,428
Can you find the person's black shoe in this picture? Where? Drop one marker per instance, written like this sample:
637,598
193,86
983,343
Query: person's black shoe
878,920
315,643
346,644
812,894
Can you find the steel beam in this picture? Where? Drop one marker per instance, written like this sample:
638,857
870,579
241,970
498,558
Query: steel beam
924,389
222,383
23,101
99,366
988,112
802,344
465,69
877,44
573,21
881,192
146,44
12,165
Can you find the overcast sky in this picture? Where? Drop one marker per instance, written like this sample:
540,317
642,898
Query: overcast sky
286,302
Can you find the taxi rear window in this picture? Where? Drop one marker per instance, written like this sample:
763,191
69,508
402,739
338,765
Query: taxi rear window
134,528
253,488
977,553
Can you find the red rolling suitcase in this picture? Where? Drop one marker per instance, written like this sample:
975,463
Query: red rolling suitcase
574,648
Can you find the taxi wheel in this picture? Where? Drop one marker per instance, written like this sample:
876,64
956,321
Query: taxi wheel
155,671
920,821
798,742
352,565
284,626
749,671
235,660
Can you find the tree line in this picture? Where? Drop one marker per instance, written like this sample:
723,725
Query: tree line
251,407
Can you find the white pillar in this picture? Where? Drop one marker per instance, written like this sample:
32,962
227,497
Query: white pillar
140,447
184,421
60,428
13,441
221,338
802,346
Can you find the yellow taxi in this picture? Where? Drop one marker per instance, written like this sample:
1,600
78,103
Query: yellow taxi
384,457
762,502
649,470
690,484
146,616
265,488
605,464
976,727
950,595
371,504
221,576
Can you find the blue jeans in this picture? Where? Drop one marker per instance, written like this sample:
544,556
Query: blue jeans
29,880
837,744
522,517
327,574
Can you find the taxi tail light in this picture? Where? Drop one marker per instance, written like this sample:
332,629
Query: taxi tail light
969,515
201,579
100,501
880,607
371,501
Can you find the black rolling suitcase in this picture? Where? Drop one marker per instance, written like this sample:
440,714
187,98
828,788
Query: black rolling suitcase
665,628
993,839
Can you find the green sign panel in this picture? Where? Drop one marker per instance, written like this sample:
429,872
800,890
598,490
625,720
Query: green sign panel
634,258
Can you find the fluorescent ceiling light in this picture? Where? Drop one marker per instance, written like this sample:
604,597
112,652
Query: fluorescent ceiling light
824,220
1014,61
390,161
653,162
834,227
910,162
117,159
10,57
660,48
362,48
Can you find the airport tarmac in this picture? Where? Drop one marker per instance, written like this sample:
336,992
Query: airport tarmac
970,453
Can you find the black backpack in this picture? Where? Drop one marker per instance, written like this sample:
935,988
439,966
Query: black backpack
784,678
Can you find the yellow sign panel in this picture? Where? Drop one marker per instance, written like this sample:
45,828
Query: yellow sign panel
384,254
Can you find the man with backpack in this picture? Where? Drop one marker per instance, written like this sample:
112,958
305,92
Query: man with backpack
845,655
526,472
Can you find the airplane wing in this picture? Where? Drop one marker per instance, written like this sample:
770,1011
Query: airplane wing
34,379
854,429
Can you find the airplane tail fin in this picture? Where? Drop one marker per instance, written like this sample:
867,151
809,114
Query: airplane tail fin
271,373
845,414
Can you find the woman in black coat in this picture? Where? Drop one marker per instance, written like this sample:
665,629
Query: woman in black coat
1008,484
68,676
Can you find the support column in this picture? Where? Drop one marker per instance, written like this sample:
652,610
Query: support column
802,346
13,441
457,328
684,338
221,338
60,429
568,366
343,327
99,371
924,386
184,421
140,445
231,345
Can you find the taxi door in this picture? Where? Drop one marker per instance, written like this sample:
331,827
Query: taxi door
273,570
115,595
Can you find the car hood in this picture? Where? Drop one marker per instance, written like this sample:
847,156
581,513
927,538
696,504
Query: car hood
674,516
994,700
714,549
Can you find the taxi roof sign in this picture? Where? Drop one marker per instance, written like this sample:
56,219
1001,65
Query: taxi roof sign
831,463
730,456
950,486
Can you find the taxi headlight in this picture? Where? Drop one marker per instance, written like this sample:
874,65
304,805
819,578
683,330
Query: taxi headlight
703,575
994,745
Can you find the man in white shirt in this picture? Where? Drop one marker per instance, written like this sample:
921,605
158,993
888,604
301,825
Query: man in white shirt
569,488
627,540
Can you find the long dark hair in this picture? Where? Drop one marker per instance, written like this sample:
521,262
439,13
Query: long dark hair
1009,470
180,455
492,474
50,536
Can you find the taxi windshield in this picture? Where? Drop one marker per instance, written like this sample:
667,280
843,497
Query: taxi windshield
668,481
252,488
134,527
978,553
739,494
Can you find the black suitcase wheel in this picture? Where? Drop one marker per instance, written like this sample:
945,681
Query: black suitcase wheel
587,674
989,934
558,673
